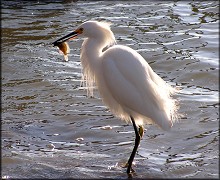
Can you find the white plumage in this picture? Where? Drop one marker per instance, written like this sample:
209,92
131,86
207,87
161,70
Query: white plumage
127,84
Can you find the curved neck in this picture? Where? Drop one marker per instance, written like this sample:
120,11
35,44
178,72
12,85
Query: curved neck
92,48
91,52
91,55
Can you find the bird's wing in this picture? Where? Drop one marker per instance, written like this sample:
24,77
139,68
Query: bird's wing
133,84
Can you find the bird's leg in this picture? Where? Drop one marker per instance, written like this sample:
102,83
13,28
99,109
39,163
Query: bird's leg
138,133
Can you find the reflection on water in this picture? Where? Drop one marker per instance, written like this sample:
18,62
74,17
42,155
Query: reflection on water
51,129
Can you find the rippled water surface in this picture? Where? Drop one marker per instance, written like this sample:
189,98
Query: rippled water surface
51,129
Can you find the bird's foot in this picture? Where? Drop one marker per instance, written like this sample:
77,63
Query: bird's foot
130,170
141,131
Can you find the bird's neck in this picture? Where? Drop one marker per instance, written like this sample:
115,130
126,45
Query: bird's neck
93,47
91,56
92,50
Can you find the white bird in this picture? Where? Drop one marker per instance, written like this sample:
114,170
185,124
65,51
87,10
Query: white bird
125,81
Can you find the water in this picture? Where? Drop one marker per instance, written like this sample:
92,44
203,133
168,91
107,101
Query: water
51,129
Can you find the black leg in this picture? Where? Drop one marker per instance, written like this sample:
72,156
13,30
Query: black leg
137,142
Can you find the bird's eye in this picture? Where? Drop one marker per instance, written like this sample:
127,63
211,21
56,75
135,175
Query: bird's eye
80,30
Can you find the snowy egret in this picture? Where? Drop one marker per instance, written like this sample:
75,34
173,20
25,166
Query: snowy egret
125,81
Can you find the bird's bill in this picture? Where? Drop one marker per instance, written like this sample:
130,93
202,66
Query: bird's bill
66,38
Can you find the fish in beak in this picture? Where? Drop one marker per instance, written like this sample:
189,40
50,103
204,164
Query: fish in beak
69,36
63,45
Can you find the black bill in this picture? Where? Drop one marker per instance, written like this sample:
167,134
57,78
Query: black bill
65,38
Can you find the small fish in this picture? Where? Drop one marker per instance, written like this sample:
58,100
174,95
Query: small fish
64,49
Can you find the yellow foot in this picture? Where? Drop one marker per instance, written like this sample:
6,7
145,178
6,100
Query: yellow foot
141,131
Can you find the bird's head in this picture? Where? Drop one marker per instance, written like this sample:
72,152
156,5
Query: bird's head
90,29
